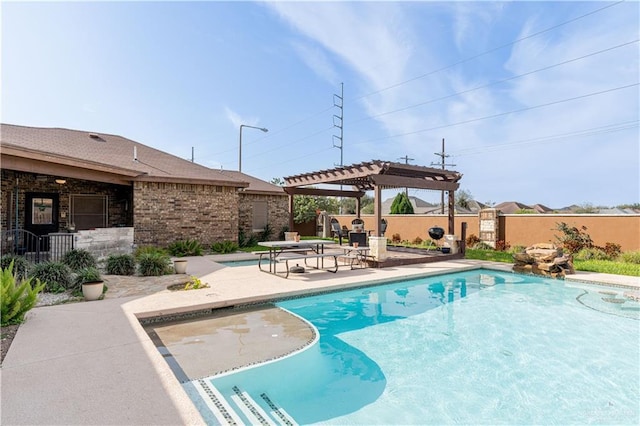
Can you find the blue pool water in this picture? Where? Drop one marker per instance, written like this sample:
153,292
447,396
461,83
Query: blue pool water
478,347
234,263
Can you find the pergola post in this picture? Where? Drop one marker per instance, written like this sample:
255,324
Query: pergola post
291,213
377,210
452,212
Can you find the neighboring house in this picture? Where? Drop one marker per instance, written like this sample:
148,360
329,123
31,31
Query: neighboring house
59,179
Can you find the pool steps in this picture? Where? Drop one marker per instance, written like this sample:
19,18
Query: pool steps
249,411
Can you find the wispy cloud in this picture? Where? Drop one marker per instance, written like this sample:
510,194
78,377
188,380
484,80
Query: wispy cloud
236,119
317,60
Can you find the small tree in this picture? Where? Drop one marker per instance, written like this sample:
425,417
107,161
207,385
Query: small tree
572,238
401,204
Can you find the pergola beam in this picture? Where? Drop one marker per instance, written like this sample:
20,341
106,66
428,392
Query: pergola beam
408,182
323,192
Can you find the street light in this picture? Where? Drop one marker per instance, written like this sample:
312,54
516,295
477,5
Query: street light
264,129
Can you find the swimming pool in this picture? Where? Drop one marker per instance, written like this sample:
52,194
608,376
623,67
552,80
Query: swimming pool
476,347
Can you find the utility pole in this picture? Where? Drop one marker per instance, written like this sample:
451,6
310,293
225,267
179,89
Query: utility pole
406,161
442,163
338,120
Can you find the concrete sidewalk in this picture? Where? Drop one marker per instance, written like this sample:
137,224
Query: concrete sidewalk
91,363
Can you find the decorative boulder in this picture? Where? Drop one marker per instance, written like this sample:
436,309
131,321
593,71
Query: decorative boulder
543,259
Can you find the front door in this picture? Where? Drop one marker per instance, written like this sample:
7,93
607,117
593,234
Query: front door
41,214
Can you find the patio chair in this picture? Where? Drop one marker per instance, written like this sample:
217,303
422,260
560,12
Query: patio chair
336,230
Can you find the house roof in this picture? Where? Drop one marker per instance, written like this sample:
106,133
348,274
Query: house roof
105,157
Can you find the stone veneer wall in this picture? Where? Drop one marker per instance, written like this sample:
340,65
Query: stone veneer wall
105,241
277,214
168,212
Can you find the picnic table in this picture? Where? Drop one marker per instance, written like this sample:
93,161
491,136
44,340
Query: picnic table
285,251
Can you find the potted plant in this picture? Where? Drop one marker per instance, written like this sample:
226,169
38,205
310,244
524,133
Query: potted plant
180,266
91,282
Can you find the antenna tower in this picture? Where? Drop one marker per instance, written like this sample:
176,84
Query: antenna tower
443,164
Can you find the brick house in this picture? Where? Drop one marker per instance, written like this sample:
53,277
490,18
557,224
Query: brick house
55,179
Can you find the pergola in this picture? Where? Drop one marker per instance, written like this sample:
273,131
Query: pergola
374,176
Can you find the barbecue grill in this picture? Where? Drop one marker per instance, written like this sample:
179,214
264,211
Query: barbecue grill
436,233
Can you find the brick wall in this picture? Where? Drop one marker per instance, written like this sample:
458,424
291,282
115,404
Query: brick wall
120,211
167,212
278,212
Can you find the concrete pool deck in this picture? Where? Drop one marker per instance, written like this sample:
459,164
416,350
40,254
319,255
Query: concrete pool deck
92,363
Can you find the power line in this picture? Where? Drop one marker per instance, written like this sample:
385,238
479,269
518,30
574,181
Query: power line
609,128
491,50
370,117
502,113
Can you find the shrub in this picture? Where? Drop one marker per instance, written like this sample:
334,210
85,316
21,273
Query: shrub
224,247
572,238
247,240
417,241
482,246
56,276
472,240
121,264
517,249
77,259
613,250
396,238
16,298
21,266
153,264
265,234
631,257
143,250
592,253
185,248
502,245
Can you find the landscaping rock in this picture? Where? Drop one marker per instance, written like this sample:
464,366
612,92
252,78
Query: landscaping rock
543,259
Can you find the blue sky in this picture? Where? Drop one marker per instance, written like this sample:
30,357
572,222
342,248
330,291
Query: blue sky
538,102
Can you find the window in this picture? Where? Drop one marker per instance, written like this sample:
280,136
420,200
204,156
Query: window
41,211
89,211
260,215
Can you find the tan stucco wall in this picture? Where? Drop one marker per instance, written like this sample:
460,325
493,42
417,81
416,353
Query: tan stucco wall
521,230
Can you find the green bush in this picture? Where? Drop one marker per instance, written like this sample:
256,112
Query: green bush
55,275
593,253
77,259
153,264
16,298
631,257
143,250
265,234
482,246
21,266
121,264
185,248
224,247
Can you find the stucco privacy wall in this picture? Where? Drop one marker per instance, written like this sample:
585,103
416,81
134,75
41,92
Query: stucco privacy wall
167,212
523,230
277,215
